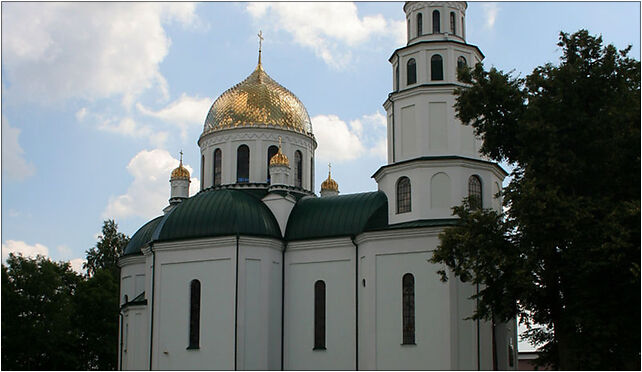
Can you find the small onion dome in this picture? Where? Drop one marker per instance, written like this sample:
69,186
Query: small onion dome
280,159
180,173
329,184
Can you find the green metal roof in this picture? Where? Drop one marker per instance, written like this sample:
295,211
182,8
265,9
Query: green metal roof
218,213
334,216
141,237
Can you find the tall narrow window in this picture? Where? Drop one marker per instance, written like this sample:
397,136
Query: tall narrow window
420,24
194,314
463,31
408,30
436,67
243,164
298,169
272,150
475,192
453,28
411,71
403,195
397,78
217,167
312,174
202,172
461,65
436,22
319,315
408,306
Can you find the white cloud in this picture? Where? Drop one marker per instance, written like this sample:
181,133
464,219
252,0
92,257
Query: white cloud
55,51
76,265
490,13
130,128
27,250
80,115
338,141
183,112
14,165
149,191
329,29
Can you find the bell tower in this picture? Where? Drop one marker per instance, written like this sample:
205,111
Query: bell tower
431,155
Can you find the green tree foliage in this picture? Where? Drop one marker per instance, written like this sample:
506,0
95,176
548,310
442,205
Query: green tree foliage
38,315
566,252
106,252
56,319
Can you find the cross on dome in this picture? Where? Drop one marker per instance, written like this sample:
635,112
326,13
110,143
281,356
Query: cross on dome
260,35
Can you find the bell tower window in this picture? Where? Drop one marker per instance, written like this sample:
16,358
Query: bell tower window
436,68
420,25
403,195
243,164
475,192
397,78
453,28
436,22
411,72
461,64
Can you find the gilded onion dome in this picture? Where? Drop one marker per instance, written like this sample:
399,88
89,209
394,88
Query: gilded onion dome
279,158
180,173
329,184
258,101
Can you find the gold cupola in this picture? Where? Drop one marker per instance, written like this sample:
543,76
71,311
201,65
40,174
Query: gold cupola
180,173
258,101
329,185
280,158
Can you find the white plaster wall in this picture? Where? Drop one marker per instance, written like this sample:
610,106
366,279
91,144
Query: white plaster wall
333,261
212,262
132,277
421,173
258,139
135,346
280,206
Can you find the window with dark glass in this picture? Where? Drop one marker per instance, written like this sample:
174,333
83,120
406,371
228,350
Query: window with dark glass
453,27
403,195
243,164
202,172
408,305
463,32
397,78
420,25
312,174
461,65
298,169
436,67
411,72
194,314
436,22
319,315
272,150
475,192
217,167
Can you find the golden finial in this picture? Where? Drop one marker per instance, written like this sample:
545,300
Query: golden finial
329,184
180,172
260,35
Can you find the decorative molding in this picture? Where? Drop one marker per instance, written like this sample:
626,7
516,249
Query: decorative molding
131,260
303,245
402,233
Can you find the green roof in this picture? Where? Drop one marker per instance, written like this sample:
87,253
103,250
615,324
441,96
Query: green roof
141,237
218,212
334,216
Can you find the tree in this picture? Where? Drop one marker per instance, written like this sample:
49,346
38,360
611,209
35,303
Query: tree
565,253
106,252
38,331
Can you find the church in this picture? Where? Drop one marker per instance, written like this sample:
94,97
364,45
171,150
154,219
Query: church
257,271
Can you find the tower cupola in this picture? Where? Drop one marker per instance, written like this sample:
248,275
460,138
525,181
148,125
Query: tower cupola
329,187
279,168
179,180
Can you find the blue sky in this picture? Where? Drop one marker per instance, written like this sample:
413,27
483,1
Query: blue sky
99,98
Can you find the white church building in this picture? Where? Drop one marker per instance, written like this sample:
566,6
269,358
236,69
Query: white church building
256,271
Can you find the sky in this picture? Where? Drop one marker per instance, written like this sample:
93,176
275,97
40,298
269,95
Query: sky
99,98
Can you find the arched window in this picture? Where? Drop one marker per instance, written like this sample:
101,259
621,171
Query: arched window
453,27
217,167
420,24
403,195
475,192
298,169
408,30
411,72
463,31
312,174
243,164
319,315
272,150
397,78
461,64
194,314
436,22
436,67
202,172
408,307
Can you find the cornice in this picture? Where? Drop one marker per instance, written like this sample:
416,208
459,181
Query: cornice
262,133
302,245
131,260
443,160
401,233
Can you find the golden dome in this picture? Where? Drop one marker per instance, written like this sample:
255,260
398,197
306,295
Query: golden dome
258,101
279,158
180,173
329,184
